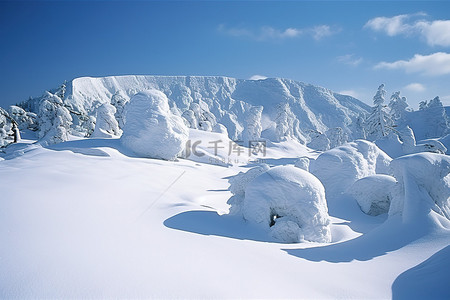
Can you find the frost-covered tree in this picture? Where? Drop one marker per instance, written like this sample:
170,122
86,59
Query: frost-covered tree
24,119
436,118
319,141
379,123
398,107
54,119
197,117
336,136
119,101
359,127
106,124
252,125
423,105
287,124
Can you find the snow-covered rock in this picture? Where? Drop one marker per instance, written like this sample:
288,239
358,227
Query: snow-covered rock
290,203
424,184
151,130
340,167
373,193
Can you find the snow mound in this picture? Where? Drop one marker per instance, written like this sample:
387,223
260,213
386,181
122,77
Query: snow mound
290,203
239,183
373,193
150,129
340,167
424,184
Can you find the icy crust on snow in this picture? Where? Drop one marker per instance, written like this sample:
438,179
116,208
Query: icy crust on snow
340,167
228,100
290,203
373,193
151,130
424,184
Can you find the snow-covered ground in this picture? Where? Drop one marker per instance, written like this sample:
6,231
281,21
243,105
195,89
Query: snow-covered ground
86,218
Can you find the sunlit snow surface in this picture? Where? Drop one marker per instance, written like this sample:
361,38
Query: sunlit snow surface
87,219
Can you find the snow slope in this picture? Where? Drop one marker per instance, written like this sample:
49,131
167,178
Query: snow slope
87,219
228,99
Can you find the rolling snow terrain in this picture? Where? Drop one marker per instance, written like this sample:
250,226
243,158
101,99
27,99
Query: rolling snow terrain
214,187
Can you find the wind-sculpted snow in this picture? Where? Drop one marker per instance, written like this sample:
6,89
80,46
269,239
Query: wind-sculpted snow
228,100
151,130
290,203
373,193
424,184
340,167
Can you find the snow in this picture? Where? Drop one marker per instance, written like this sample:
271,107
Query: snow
151,130
340,167
87,219
106,124
424,184
295,197
96,218
373,193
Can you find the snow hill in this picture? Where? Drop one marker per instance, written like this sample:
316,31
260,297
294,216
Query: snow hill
229,100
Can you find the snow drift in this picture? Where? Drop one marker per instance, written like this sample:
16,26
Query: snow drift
373,193
424,184
290,203
151,130
340,167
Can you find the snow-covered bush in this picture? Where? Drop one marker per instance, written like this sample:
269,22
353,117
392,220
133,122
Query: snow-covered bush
106,124
239,183
290,203
373,193
54,119
340,167
151,130
424,184
303,163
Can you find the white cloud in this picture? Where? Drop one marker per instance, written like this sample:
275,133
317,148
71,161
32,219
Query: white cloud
319,32
432,65
445,100
269,33
350,59
391,26
352,93
258,77
415,87
435,33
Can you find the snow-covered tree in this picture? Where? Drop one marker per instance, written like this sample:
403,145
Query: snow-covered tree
319,141
106,124
423,105
119,101
287,124
24,120
398,107
252,130
54,119
379,123
197,117
336,136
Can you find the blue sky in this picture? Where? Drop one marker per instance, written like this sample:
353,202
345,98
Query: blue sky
349,47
